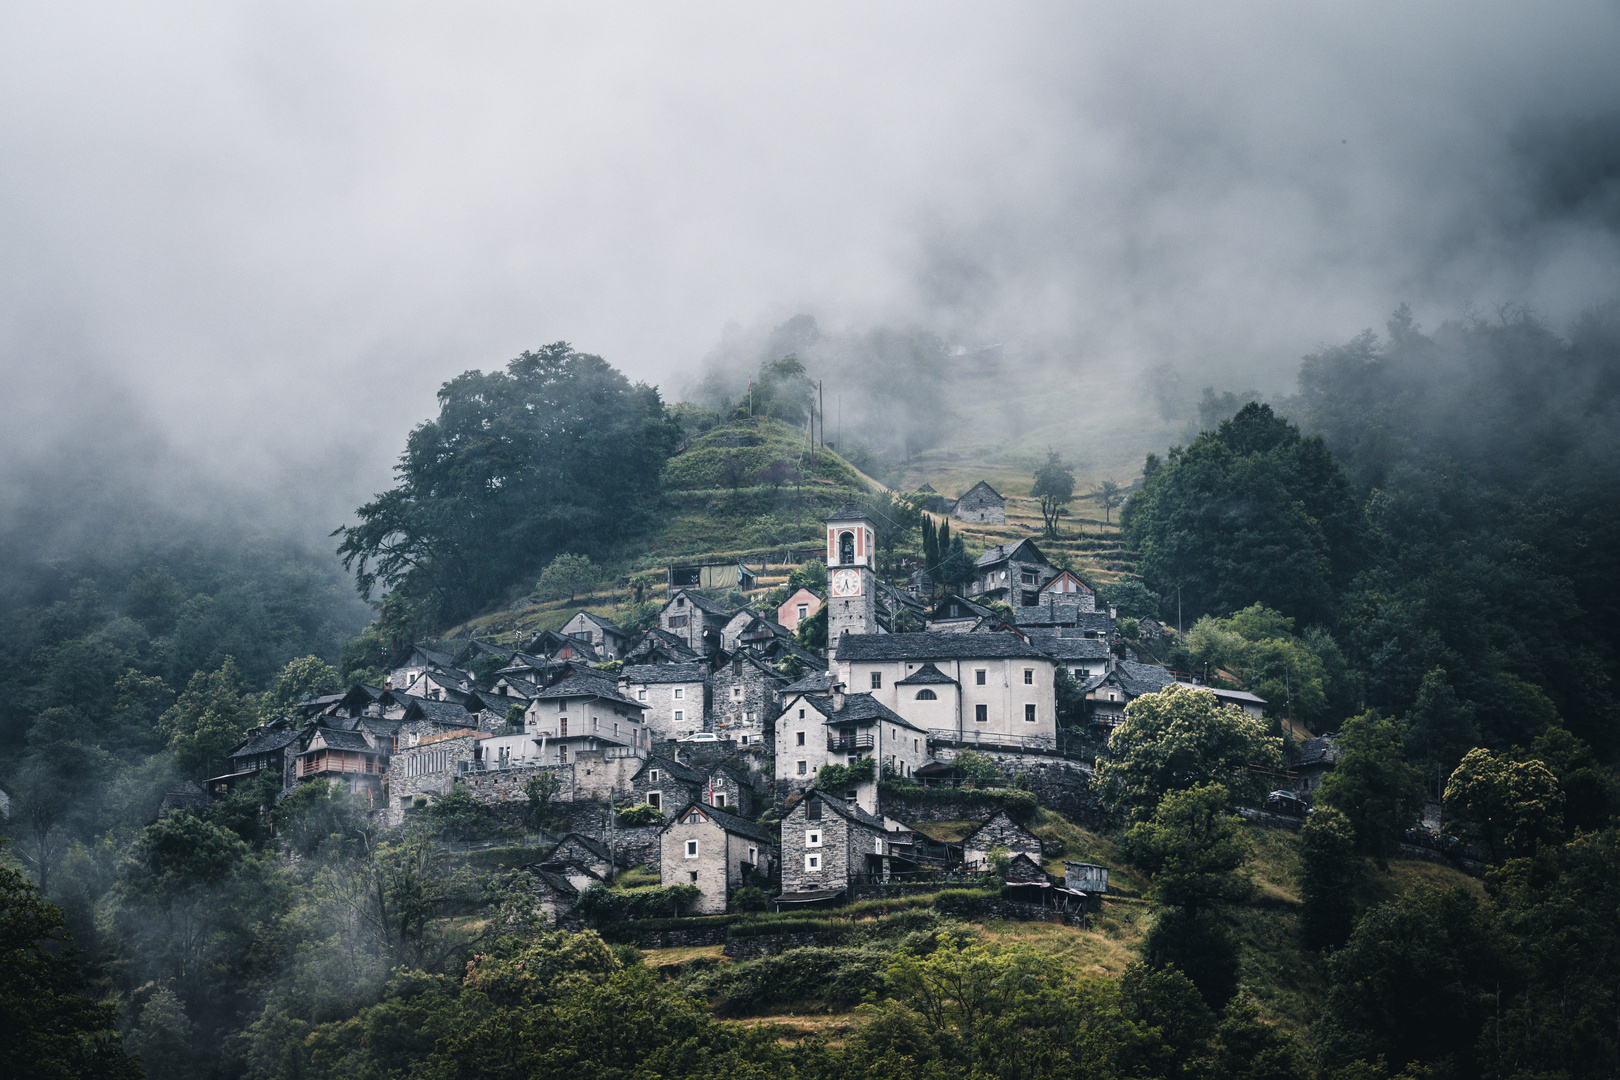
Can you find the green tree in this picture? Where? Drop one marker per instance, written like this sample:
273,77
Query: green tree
1129,597
207,720
1416,982
315,814
1259,647
540,790
1251,513
812,632
566,576
1328,876
1054,486
459,816
1108,497
1517,805
1194,849
557,451
300,680
1372,784
1179,738
50,1027
1440,727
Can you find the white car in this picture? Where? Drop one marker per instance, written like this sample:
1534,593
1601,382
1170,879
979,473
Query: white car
702,736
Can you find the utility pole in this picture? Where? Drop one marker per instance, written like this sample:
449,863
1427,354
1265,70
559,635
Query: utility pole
1178,612
821,407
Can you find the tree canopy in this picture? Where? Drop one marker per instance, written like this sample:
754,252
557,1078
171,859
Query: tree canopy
557,452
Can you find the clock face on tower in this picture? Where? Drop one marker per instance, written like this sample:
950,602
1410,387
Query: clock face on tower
846,583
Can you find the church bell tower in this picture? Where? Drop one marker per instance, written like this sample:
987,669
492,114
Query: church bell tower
851,584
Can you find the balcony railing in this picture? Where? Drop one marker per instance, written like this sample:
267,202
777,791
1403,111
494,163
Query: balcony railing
849,743
953,737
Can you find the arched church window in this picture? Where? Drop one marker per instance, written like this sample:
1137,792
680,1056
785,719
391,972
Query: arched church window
927,695
846,549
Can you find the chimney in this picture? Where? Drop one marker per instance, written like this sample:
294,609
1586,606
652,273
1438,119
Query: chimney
838,697
1113,613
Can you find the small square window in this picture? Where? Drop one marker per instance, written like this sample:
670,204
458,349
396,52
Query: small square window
804,611
655,799
812,862
1029,676
680,692
745,740
1029,714
802,768
652,776
693,874
691,849
736,693
877,680
800,742
812,838
680,714
978,676
981,714
641,695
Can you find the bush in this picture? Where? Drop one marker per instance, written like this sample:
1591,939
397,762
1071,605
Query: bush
833,975
640,814
750,898
602,904
837,778
1020,805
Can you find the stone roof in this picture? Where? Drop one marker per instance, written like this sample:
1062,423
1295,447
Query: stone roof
701,602
336,739
981,494
850,809
817,682
999,816
927,675
265,739
969,609
595,847
936,645
864,708
556,881
729,822
1318,751
434,656
662,673
1002,552
849,512
606,624
675,769
439,712
580,684
1062,614
1139,679
1069,648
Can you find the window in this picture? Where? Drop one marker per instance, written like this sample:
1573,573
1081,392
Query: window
753,856
652,776
736,693
720,799
680,692
680,714
799,741
693,875
1029,676
927,695
978,677
562,755
655,799
846,548
812,862
691,849
745,740
877,680
562,727
641,695
1082,673
877,845
812,808
981,714
812,838
804,611
801,714
680,601
802,768
1027,579
1029,714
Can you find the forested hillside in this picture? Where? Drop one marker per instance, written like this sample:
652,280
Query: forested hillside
1417,553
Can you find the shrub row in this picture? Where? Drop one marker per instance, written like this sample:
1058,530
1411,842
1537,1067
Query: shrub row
1020,805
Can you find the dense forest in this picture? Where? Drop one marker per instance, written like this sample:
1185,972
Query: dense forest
1417,551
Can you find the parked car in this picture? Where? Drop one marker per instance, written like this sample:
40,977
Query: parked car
702,736
1286,802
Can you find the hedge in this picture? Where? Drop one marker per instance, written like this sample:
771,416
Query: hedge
1020,805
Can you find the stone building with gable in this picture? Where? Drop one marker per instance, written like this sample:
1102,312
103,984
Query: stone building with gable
845,729
1001,831
828,843
981,504
995,684
1012,574
675,696
604,635
696,620
716,851
745,698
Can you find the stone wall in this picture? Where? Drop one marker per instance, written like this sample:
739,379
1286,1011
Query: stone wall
755,946
496,787
1008,909
744,702
1058,783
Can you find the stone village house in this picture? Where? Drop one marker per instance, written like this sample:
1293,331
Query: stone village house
981,504
716,851
844,729
1000,831
828,843
675,696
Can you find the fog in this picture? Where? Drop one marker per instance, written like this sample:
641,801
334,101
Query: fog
241,246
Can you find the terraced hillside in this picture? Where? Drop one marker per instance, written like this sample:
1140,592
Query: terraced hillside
756,492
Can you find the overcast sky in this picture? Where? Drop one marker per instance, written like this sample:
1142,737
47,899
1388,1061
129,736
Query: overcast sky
260,236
